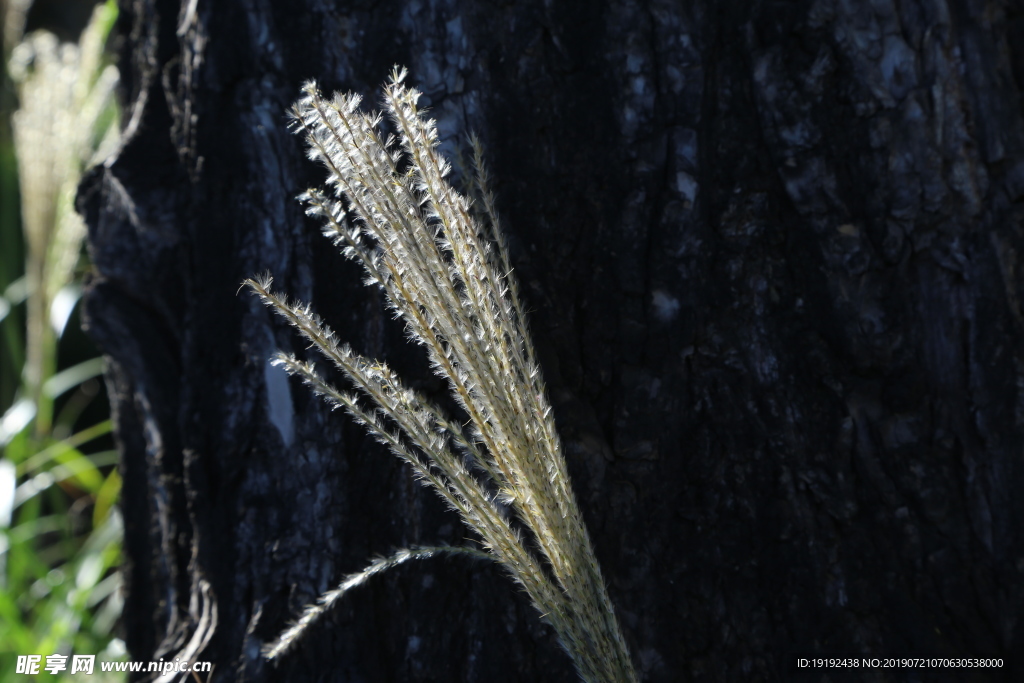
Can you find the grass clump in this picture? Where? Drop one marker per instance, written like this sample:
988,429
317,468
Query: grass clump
445,270
60,531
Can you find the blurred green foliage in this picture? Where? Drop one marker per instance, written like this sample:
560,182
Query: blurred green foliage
60,530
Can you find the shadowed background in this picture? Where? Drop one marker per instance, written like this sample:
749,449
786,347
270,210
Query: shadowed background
771,254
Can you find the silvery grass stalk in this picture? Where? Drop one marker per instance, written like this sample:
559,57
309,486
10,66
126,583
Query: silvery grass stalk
65,121
446,272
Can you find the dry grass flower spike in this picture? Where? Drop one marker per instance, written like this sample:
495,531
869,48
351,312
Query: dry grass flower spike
445,270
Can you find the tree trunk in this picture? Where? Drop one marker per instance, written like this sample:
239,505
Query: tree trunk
772,253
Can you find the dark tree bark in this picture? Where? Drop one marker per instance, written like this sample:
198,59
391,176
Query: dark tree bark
773,257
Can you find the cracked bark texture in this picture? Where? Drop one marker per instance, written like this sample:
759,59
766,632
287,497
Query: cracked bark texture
773,257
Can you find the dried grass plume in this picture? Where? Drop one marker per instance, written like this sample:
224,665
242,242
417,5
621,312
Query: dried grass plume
445,270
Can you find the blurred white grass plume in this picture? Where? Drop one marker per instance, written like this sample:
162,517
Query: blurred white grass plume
446,272
65,122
